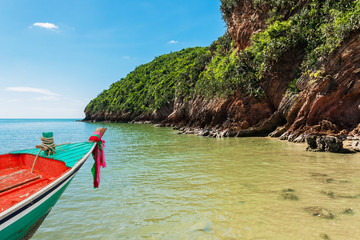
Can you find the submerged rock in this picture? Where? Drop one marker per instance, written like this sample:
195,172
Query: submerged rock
349,211
320,212
324,143
329,193
325,236
287,194
329,180
314,174
288,190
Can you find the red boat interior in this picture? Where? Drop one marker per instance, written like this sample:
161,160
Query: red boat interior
17,182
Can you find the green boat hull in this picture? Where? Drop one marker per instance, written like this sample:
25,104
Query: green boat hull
26,226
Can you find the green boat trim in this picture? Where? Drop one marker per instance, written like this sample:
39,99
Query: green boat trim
67,153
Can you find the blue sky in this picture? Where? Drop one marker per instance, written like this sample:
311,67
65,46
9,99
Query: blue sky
55,56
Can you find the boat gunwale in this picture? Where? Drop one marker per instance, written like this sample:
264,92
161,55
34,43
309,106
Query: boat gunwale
43,191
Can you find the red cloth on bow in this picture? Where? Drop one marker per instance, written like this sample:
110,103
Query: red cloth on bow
99,157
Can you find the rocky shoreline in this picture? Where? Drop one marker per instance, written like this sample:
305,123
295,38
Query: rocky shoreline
315,142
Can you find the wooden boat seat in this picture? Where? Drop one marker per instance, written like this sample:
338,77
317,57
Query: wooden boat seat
16,179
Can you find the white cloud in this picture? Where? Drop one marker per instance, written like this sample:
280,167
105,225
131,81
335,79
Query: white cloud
47,98
32,90
126,57
49,26
173,42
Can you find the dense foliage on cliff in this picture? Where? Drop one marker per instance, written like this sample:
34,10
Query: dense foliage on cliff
152,85
319,26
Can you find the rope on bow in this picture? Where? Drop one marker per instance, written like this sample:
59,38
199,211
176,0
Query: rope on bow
47,145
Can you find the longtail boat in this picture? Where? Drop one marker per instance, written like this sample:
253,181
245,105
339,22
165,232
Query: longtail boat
32,181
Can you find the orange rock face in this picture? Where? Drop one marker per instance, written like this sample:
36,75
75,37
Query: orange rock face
330,104
235,113
244,22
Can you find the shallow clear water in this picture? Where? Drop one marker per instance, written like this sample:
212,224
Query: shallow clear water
159,185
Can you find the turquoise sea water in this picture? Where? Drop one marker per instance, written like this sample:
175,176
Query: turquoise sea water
159,185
